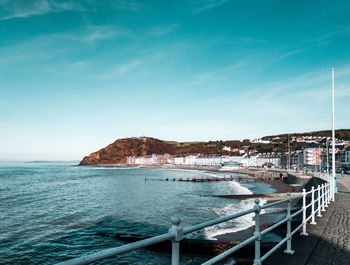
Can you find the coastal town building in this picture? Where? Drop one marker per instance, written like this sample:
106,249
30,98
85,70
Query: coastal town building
269,160
236,158
163,159
146,160
208,161
307,139
230,165
138,160
190,160
261,141
346,162
313,155
179,160
256,160
227,148
250,161
130,160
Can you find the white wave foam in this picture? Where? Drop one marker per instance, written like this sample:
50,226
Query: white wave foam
238,188
234,225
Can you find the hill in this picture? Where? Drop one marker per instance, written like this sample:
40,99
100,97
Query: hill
117,152
342,134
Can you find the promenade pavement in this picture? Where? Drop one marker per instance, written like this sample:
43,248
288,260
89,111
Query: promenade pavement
328,242
334,244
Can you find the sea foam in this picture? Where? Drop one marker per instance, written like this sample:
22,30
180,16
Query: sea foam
236,224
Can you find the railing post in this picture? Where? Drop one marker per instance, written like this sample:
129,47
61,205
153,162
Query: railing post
289,250
334,187
313,206
323,197
178,235
257,209
328,193
303,233
319,201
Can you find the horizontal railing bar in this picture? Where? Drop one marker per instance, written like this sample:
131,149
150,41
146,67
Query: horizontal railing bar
274,226
284,240
296,213
230,251
111,252
307,219
193,228
273,204
296,229
296,196
281,201
307,206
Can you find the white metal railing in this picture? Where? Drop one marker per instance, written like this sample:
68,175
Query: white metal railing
328,178
176,233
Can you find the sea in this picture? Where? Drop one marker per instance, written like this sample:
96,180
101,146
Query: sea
54,211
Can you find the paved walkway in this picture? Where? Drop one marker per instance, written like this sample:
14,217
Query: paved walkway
333,246
328,242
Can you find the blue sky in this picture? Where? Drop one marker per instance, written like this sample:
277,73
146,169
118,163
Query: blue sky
77,75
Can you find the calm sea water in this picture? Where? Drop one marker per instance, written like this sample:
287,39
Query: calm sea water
50,212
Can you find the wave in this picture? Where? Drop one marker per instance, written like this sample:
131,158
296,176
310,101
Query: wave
236,187
236,224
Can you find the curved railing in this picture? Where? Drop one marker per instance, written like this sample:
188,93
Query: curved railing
320,199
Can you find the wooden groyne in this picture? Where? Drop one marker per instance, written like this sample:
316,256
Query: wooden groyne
244,179
217,178
210,179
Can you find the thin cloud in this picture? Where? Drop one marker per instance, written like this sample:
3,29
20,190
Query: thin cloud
163,30
209,4
25,9
120,70
44,47
95,33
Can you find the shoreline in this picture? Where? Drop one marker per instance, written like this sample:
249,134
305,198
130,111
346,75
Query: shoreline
272,178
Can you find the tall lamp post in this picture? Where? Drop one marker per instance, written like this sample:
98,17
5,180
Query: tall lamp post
333,178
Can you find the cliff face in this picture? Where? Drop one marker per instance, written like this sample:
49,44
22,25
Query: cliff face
118,151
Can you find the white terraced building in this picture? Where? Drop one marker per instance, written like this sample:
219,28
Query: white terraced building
190,160
208,161
179,160
313,155
261,160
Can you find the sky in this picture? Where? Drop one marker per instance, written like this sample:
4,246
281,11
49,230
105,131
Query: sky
77,75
